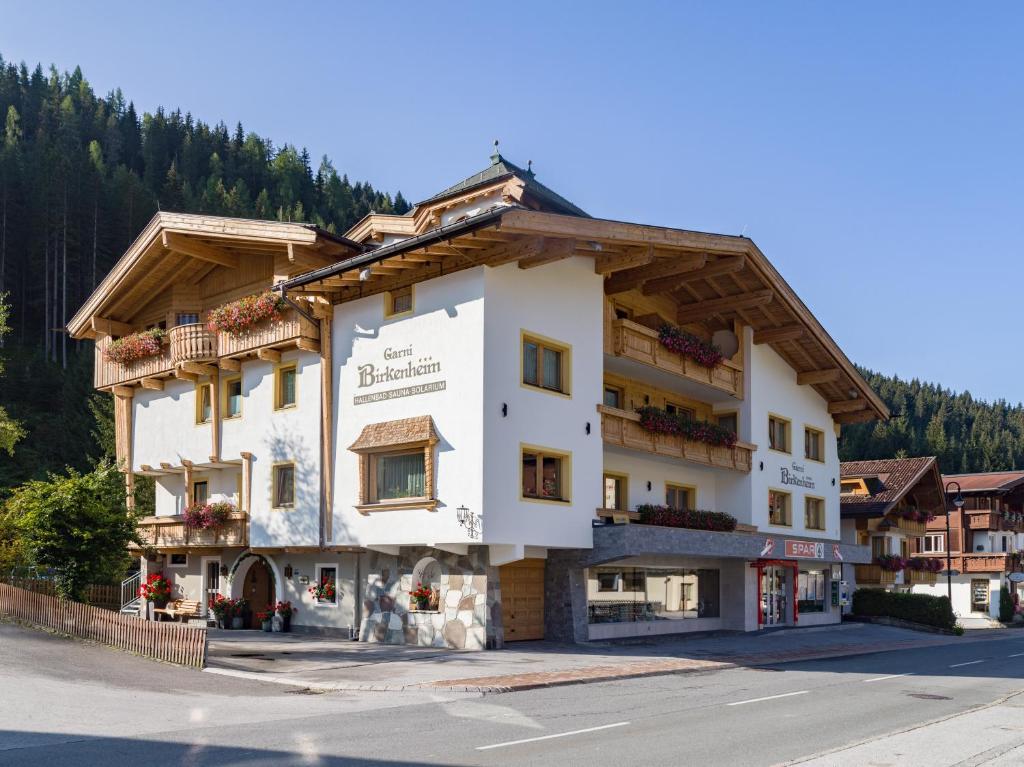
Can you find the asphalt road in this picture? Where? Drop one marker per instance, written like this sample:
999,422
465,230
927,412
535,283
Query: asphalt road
66,703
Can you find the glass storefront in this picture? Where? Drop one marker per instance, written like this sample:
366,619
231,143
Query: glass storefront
626,594
811,595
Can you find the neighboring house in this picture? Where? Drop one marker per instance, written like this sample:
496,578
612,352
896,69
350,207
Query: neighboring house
985,540
886,504
450,398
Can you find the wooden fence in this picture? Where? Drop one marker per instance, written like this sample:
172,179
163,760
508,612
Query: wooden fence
172,642
98,595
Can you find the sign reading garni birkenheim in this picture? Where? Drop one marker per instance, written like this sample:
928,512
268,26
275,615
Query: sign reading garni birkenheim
398,365
794,475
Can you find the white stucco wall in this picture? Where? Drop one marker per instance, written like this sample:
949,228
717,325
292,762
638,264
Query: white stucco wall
640,470
962,592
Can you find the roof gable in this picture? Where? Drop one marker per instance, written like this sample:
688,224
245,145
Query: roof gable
889,481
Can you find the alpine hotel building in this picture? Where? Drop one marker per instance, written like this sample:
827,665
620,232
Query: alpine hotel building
562,426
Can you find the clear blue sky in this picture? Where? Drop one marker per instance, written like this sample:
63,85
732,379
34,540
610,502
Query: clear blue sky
873,150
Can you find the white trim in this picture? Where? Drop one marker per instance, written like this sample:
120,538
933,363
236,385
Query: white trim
203,562
175,554
237,579
337,572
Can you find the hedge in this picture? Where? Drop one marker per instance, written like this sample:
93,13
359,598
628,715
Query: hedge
918,608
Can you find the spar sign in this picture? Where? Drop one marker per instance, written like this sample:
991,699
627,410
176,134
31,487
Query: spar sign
805,550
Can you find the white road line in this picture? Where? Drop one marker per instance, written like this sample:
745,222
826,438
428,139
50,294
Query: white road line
1015,655
883,678
549,737
769,697
968,663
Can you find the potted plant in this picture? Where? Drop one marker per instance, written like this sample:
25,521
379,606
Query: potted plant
420,596
221,607
285,611
264,620
157,589
208,516
239,609
324,591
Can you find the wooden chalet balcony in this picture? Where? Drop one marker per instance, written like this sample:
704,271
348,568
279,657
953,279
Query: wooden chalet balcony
919,578
107,373
636,342
193,343
908,526
873,575
170,532
291,330
984,562
622,428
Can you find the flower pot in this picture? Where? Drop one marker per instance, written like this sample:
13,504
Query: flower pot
286,623
161,602
237,622
266,625
277,624
222,624
420,604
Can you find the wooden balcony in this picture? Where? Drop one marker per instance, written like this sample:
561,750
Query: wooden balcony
291,330
984,562
107,373
193,343
982,520
170,532
919,578
908,526
873,575
622,428
636,342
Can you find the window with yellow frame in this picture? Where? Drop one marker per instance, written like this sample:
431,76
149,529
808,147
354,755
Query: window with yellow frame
286,381
778,434
814,444
283,486
204,402
231,405
400,302
546,364
546,475
814,513
681,497
616,491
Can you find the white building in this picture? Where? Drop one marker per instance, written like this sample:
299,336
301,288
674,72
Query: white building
451,398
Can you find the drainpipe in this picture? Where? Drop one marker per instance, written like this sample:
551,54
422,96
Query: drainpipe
358,610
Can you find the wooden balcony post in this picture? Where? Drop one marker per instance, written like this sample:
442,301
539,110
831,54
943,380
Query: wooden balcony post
123,400
246,498
325,312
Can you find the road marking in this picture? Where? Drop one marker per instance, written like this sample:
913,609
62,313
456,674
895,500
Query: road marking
549,737
1015,655
968,663
769,697
891,676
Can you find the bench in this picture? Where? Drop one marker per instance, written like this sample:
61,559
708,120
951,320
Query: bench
179,608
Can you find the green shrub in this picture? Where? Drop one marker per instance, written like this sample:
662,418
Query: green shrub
918,608
1005,605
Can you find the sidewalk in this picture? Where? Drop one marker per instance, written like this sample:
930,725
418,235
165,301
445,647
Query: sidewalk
334,664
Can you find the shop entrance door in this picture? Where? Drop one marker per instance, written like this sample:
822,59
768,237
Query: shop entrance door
774,596
979,595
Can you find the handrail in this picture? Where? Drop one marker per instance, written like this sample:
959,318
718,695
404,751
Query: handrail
130,588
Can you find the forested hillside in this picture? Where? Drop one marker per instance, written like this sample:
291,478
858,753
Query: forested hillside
80,175
964,433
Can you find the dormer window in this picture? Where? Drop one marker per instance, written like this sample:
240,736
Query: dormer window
187,318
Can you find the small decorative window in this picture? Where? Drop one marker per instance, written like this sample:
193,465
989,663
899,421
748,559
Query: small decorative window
325,590
814,513
545,364
200,491
680,497
284,386
615,495
284,485
233,397
398,302
204,403
613,397
778,434
778,508
545,475
814,444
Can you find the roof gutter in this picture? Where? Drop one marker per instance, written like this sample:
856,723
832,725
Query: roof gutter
433,237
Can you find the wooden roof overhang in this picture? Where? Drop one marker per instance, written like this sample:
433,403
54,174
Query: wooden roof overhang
711,278
924,488
184,248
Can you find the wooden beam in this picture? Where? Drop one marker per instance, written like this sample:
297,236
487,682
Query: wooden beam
184,375
726,265
308,257
812,377
554,250
308,344
325,313
703,309
179,243
215,421
847,405
609,263
774,335
663,267
228,363
508,252
198,368
269,355
110,327
171,469
127,392
156,384
858,416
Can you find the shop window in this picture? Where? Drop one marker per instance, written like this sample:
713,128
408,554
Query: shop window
814,513
634,580
680,497
398,302
652,594
615,496
177,560
204,403
545,364
613,397
398,475
811,591
233,397
200,491
545,475
814,444
607,581
779,508
284,485
285,379
778,434
729,421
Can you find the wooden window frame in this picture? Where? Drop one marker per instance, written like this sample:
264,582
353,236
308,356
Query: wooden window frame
274,468
542,343
200,480
623,479
789,434
279,369
389,303
205,385
824,522
619,390
821,443
224,398
692,411
565,479
734,413
371,477
789,508
692,489
337,573
368,479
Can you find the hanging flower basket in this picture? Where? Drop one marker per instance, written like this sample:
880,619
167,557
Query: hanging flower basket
242,315
208,516
688,345
658,421
136,346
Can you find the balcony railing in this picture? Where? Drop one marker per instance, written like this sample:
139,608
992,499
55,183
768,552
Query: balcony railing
290,328
874,575
193,343
622,428
919,577
908,526
982,520
639,343
983,562
107,373
170,532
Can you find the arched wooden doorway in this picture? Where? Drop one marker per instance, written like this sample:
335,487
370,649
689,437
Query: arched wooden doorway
258,590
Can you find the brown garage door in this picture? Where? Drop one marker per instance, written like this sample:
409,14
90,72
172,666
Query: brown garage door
522,599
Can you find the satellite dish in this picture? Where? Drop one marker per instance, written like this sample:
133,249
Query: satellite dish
726,341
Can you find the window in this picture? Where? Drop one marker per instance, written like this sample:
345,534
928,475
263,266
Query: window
200,491
652,594
327,574
284,485
686,412
204,403
613,396
398,302
607,581
634,580
233,397
615,492
397,475
728,421
177,560
284,387
545,475
814,513
545,365
814,444
878,547
853,487
778,434
811,591
187,318
778,508
904,548
931,543
679,497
